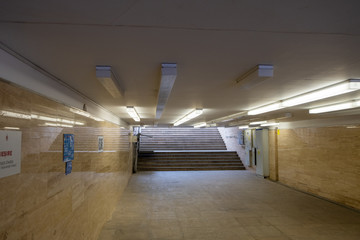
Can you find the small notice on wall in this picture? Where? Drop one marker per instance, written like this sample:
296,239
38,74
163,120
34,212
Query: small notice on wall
68,147
101,143
68,167
10,153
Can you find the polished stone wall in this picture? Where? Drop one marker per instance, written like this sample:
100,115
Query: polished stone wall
324,161
42,202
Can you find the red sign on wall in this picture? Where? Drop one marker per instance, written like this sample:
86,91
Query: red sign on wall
10,153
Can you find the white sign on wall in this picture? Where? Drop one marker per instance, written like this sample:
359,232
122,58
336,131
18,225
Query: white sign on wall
10,153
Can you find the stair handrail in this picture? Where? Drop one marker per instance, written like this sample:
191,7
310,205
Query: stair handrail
137,149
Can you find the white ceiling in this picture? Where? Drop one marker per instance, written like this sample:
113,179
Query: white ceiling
310,43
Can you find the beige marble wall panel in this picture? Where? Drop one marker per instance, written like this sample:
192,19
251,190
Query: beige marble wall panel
273,155
41,202
322,161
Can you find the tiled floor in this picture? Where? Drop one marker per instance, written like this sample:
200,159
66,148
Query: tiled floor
224,205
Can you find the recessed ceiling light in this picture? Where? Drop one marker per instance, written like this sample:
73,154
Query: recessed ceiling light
132,112
244,127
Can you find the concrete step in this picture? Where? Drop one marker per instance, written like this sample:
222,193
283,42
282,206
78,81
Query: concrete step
189,168
187,158
182,161
206,157
181,139
181,146
185,149
190,163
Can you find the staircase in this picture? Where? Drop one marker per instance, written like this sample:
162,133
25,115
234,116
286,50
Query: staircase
183,149
181,139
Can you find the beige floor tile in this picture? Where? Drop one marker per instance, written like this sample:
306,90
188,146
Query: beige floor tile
226,205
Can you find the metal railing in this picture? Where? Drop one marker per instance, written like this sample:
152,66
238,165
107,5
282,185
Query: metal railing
136,149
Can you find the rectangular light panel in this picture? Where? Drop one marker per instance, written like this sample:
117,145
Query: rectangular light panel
132,112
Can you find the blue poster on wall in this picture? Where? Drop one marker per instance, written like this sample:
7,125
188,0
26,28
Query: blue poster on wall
68,147
68,167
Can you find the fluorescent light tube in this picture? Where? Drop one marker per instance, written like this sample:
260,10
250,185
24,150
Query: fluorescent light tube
168,76
43,118
58,125
269,124
70,122
258,123
264,109
189,116
244,127
51,119
326,92
11,128
108,79
85,114
132,112
97,119
15,115
335,107
199,125
80,112
229,117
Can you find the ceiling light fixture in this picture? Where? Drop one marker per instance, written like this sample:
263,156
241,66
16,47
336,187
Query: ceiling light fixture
229,117
85,114
11,128
257,123
108,79
269,124
189,116
15,115
168,76
132,112
326,92
267,108
244,127
51,119
58,125
255,76
335,107
199,125
43,118
80,112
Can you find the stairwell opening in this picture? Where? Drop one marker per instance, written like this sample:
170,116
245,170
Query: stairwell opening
185,149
